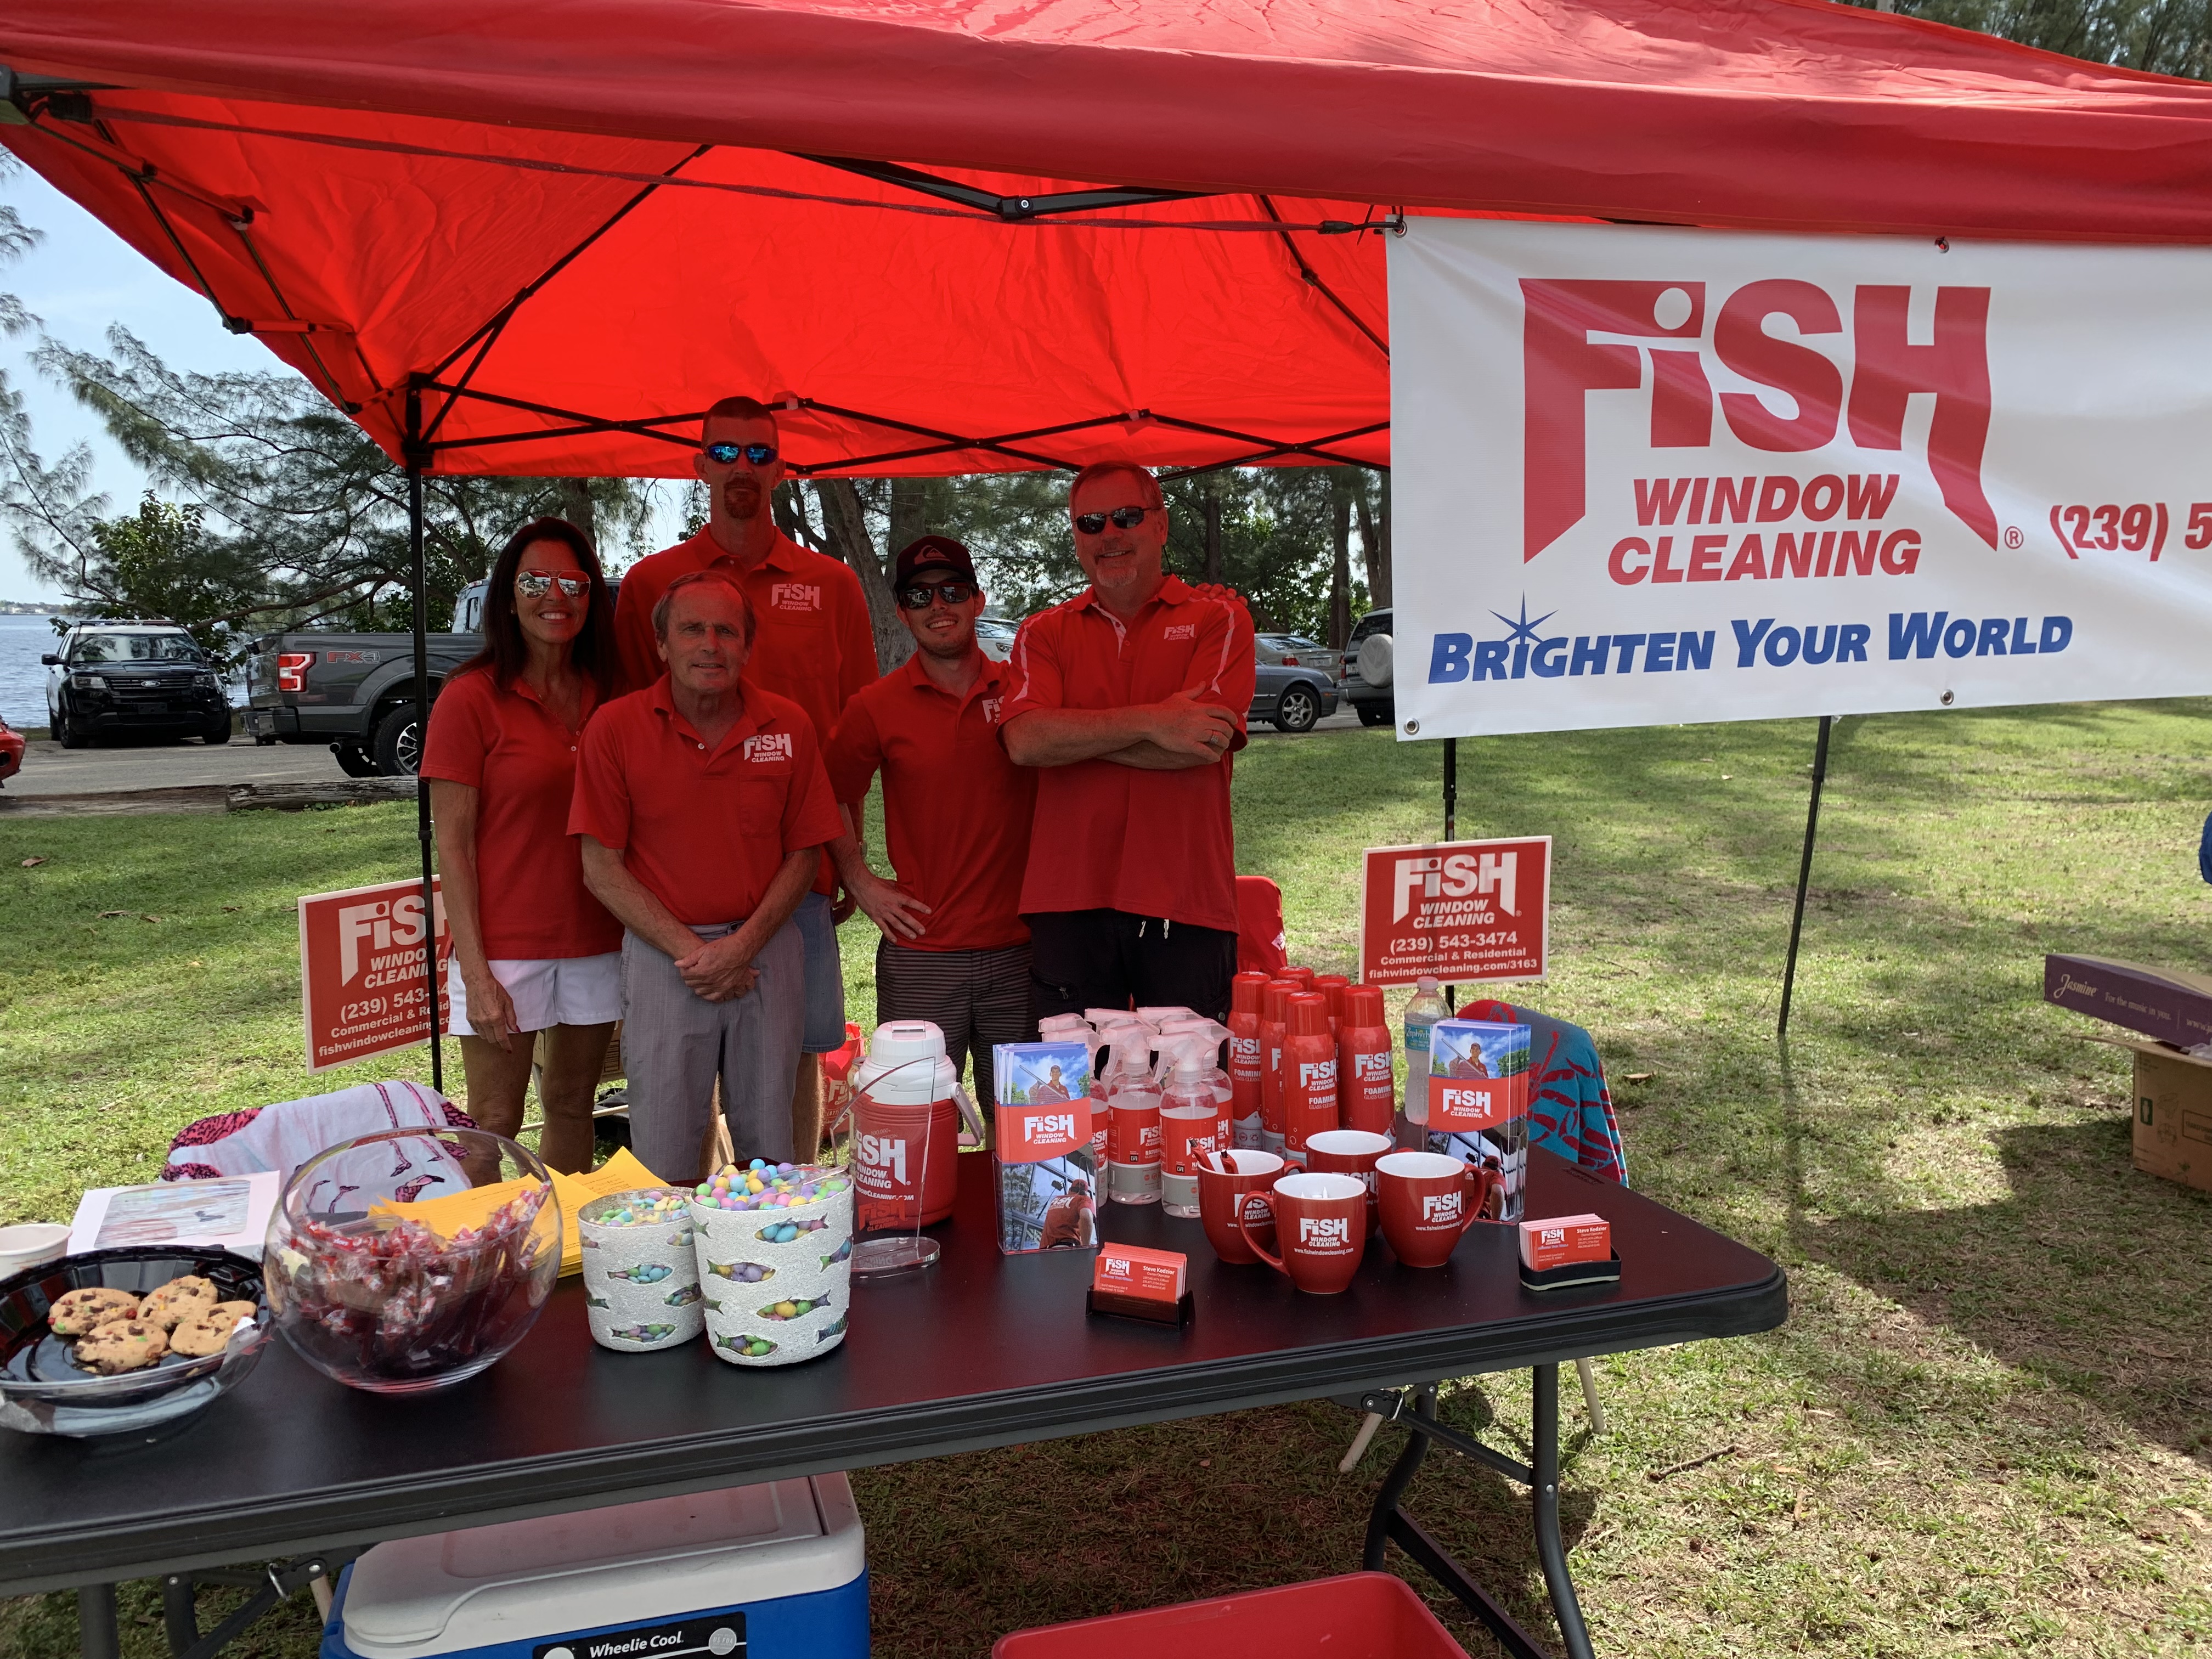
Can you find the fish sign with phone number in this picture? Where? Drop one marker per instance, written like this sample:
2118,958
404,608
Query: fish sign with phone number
363,985
1461,910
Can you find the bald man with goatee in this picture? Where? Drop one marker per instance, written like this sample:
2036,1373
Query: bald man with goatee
813,645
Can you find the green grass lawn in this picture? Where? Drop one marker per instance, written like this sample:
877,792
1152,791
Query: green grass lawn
1987,1425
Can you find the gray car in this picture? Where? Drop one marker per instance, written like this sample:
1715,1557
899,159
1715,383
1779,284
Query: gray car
1296,685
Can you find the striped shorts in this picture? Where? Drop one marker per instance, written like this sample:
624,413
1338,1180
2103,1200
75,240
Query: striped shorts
976,998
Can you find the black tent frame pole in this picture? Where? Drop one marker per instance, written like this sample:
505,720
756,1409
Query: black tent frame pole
1451,822
414,453
1804,875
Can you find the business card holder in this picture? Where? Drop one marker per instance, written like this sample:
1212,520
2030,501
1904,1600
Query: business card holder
1136,1307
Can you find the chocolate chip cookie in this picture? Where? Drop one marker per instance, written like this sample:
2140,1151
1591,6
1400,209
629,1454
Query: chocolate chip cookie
123,1345
79,1313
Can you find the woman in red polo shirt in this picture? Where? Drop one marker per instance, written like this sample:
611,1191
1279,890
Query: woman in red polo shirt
533,950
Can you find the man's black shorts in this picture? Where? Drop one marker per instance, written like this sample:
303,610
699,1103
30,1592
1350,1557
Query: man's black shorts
1083,959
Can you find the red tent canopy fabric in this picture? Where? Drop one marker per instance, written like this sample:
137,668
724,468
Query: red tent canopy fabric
598,216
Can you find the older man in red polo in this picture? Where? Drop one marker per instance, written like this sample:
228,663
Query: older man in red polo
704,808
1129,699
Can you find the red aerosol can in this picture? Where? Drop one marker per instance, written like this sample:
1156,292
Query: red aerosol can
1274,1026
1245,1060
1309,1075
1366,1093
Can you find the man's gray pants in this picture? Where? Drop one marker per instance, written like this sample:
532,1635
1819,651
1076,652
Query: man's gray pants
675,1043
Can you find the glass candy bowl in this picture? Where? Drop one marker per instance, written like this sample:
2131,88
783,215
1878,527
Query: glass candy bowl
387,1269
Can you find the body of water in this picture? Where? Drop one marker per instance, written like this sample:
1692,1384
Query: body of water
22,681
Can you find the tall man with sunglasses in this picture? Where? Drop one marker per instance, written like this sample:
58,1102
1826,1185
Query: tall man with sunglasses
955,950
814,646
1129,699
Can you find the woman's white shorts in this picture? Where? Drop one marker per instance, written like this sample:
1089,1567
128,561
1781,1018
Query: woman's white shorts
563,991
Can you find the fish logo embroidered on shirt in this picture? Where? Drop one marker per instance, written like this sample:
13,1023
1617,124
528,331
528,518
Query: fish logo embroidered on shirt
1180,631
769,746
794,595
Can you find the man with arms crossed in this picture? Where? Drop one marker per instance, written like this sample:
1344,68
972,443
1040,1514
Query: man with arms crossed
955,950
704,808
1129,698
815,646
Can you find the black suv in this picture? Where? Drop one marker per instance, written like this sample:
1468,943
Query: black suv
133,677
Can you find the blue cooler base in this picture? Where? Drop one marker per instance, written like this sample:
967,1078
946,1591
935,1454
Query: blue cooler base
831,1624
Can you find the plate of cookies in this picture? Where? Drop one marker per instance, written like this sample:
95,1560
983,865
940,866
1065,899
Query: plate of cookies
115,1342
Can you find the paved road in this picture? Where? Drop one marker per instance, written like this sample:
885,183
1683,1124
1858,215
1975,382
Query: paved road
1343,721
51,769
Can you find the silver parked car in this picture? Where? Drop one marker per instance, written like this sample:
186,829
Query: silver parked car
1297,681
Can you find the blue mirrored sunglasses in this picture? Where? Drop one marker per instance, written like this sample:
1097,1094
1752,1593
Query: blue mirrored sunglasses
759,454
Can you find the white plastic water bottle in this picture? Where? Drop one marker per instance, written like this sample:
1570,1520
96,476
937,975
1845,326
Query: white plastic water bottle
1427,1008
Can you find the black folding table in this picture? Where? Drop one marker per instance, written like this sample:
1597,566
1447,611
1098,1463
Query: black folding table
979,1349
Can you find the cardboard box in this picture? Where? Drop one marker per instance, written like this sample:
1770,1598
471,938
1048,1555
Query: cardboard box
2174,1115
2167,1003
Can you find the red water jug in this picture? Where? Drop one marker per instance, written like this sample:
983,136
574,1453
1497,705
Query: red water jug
906,1128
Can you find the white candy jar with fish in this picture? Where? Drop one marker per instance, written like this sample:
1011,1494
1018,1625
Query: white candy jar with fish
641,1273
774,1246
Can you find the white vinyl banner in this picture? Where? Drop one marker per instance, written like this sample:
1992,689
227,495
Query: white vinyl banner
1643,475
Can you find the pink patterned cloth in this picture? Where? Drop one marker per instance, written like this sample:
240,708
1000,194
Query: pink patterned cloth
284,1136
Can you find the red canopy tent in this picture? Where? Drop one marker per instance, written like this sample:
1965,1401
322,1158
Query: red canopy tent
1019,226
961,235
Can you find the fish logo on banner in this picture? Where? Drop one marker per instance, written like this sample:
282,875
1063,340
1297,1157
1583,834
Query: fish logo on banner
1584,337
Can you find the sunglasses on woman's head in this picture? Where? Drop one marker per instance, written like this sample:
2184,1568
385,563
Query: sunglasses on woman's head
759,454
1125,517
533,584
918,599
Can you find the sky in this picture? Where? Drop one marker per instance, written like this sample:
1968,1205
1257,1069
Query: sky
79,281
81,278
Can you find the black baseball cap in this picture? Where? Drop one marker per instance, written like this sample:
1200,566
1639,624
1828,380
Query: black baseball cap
932,553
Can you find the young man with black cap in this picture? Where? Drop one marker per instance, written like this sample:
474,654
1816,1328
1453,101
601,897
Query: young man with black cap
957,811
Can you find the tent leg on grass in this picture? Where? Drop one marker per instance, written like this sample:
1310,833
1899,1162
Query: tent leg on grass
1804,875
414,458
1588,1377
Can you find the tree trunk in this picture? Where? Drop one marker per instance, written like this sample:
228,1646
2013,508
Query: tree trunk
1374,541
909,516
847,523
576,506
1210,501
1341,487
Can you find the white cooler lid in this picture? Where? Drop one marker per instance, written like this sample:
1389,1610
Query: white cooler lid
522,1580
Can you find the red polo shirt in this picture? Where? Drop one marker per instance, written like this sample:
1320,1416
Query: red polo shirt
703,828
956,810
812,643
531,903
1114,837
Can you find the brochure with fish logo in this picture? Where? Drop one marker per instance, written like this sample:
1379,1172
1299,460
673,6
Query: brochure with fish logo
1048,1174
